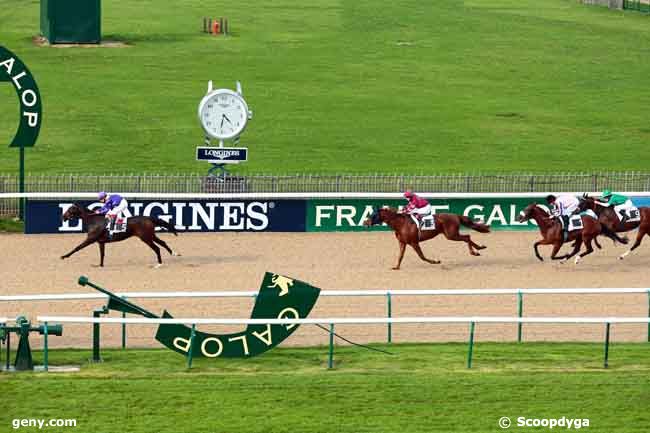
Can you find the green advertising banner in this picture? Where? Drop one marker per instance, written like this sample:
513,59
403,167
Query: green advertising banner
349,214
279,297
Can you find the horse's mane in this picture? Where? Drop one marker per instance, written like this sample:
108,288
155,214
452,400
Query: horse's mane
542,209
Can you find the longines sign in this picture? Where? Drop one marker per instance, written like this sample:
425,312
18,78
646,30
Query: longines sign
196,215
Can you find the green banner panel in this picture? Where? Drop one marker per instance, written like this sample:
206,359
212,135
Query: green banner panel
349,214
279,297
71,21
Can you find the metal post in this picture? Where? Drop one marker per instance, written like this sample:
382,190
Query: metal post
389,314
330,361
45,348
191,348
21,183
471,345
96,357
607,345
8,348
520,313
649,315
123,330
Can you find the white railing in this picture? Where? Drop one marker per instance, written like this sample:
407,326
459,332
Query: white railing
373,292
296,195
340,320
607,321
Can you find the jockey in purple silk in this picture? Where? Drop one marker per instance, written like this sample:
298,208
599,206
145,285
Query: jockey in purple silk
113,206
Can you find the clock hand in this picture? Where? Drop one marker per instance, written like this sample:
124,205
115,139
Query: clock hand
222,116
226,117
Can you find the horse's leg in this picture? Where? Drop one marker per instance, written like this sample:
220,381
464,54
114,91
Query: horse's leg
416,247
535,247
637,242
101,254
556,247
155,248
453,234
163,244
597,243
402,248
81,246
588,250
576,249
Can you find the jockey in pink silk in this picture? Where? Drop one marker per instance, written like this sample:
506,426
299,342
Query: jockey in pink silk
416,205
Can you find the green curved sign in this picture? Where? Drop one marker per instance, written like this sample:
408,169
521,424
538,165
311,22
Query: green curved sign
13,70
279,297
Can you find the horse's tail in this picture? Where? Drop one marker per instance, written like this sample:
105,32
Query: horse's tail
164,224
613,236
479,227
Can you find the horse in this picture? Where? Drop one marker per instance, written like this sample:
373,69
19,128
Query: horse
553,234
608,218
407,231
141,226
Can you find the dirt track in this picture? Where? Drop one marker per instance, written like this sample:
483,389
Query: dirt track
31,265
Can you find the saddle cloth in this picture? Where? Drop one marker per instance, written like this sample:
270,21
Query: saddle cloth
428,222
633,214
575,223
120,225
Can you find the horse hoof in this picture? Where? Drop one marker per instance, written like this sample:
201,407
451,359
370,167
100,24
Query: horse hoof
577,260
157,266
63,257
175,254
396,268
435,262
621,257
562,261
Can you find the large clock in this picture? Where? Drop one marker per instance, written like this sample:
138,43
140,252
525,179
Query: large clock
223,113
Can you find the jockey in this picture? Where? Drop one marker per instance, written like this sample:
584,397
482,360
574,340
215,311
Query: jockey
114,205
416,205
621,203
563,207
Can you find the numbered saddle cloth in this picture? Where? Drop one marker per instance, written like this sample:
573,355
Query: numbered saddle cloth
575,222
120,225
632,213
428,223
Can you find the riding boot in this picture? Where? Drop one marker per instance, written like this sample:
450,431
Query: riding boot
565,230
624,216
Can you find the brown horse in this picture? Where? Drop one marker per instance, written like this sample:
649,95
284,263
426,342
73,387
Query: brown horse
140,226
407,232
553,234
608,218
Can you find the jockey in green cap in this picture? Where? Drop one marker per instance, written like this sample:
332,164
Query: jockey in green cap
621,203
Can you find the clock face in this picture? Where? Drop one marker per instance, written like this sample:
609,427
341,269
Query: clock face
223,114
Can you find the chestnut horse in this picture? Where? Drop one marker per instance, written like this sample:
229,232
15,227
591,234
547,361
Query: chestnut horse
407,233
608,218
141,226
553,234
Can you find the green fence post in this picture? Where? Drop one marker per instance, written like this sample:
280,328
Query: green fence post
648,337
607,345
191,348
520,313
330,361
45,348
389,314
123,328
471,345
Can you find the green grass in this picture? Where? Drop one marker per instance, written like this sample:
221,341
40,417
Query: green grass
346,86
422,388
9,225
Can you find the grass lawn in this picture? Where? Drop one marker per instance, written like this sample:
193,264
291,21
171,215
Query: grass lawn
422,388
344,86
9,225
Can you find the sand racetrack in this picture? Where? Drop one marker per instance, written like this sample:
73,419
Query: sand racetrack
237,261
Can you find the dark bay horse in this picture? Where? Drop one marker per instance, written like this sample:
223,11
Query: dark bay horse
407,233
553,234
608,218
140,226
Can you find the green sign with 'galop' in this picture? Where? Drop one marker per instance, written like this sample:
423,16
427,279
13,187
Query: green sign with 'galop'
14,71
279,297
327,215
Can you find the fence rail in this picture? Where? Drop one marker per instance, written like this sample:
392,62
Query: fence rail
322,183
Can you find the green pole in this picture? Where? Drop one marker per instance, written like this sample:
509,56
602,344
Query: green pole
45,348
520,313
471,345
21,183
123,328
607,345
330,361
648,316
189,352
389,314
